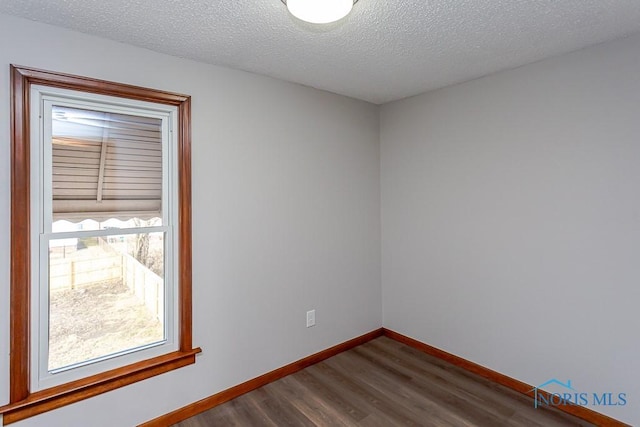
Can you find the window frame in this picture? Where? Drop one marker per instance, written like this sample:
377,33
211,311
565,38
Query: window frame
22,402
43,99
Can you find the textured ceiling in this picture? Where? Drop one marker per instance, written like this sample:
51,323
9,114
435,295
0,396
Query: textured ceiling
385,50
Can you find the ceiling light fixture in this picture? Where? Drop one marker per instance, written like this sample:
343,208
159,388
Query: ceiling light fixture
319,11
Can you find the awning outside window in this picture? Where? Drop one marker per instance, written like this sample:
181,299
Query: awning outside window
105,165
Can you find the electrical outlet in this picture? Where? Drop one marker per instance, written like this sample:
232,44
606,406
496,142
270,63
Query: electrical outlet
311,318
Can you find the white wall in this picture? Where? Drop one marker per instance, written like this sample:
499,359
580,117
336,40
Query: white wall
511,220
285,211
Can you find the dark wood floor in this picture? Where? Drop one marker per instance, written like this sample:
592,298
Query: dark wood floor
382,383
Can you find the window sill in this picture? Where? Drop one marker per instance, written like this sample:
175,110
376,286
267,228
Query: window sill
65,394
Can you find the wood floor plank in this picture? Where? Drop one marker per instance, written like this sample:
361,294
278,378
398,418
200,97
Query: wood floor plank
357,397
273,409
455,377
244,411
441,371
448,394
382,383
450,402
317,409
491,394
405,398
332,392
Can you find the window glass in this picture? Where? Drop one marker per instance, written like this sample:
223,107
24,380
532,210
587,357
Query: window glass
106,168
106,297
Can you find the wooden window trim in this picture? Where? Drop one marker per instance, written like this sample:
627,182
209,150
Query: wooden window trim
23,403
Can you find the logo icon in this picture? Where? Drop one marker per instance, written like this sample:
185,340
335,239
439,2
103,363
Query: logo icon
570,396
566,385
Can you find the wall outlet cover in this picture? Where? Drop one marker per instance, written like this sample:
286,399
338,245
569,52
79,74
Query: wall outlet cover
311,318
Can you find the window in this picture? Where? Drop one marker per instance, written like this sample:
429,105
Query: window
102,188
101,238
